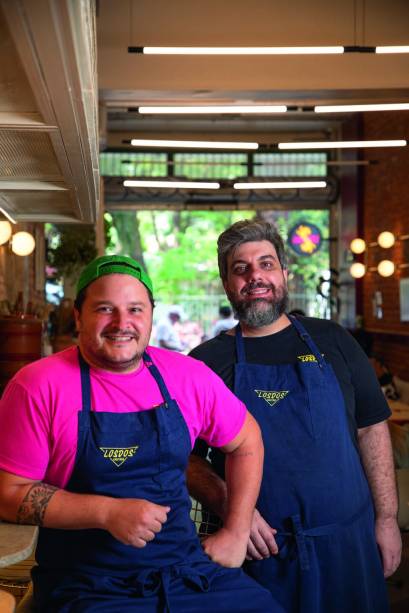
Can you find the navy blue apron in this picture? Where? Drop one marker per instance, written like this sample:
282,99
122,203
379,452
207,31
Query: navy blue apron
136,455
314,490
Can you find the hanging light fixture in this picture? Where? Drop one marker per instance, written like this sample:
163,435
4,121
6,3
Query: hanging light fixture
22,243
386,268
357,270
357,245
5,232
386,240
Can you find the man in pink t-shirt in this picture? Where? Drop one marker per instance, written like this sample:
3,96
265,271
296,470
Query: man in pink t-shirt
95,442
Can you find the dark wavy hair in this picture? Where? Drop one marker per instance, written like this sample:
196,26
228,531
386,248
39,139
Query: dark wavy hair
246,231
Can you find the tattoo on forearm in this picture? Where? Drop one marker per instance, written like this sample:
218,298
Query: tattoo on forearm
34,505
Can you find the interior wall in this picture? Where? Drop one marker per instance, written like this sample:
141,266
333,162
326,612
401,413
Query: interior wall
385,207
21,273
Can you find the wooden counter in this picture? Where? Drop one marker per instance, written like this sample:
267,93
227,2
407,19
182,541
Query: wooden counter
17,543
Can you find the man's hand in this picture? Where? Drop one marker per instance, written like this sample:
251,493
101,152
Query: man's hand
226,548
261,543
135,521
390,543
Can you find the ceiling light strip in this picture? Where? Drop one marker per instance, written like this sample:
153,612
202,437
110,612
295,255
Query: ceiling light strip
392,49
297,50
281,185
172,184
324,50
192,144
343,144
208,109
345,108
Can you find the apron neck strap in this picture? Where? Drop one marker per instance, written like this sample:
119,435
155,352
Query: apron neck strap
157,376
85,383
240,353
86,380
306,338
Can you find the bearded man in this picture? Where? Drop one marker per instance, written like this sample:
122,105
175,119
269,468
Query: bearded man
324,532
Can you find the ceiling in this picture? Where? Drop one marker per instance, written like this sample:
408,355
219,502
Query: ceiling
48,83
128,80
48,118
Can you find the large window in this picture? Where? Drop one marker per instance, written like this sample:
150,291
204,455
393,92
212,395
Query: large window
228,166
289,164
133,164
211,165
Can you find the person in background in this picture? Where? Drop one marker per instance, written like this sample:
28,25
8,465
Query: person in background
324,533
226,321
95,442
167,334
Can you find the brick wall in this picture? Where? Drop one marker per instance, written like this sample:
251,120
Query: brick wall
385,206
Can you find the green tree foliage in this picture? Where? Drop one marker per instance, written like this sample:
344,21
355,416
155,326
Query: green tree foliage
70,247
180,253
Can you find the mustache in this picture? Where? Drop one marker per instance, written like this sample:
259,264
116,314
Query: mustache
120,332
255,285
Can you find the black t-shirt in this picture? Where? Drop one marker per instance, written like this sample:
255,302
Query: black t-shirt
364,401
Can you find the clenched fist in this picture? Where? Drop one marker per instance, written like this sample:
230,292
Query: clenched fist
135,521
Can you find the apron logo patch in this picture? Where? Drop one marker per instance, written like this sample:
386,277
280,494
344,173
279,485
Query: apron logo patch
307,358
271,397
118,455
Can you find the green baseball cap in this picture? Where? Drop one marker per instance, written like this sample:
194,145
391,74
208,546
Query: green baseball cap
113,264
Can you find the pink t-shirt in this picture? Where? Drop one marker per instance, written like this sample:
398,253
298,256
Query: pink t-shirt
38,410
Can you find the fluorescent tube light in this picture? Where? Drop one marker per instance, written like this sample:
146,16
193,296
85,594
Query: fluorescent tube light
344,108
172,184
343,144
392,49
330,50
280,185
192,144
207,109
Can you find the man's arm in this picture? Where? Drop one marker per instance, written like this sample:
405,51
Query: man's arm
132,521
211,491
376,453
234,499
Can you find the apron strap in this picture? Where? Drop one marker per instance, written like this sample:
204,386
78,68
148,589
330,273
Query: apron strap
305,337
150,582
307,340
240,353
85,383
300,535
158,378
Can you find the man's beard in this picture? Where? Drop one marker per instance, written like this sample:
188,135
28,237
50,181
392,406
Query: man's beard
260,312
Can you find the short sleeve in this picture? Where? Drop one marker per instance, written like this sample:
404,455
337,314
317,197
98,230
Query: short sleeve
223,413
371,406
24,428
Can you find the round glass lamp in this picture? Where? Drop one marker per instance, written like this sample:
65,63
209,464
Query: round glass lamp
386,240
22,243
357,270
5,231
386,268
358,245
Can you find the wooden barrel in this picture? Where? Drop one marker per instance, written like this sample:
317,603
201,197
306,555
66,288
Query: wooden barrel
20,344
